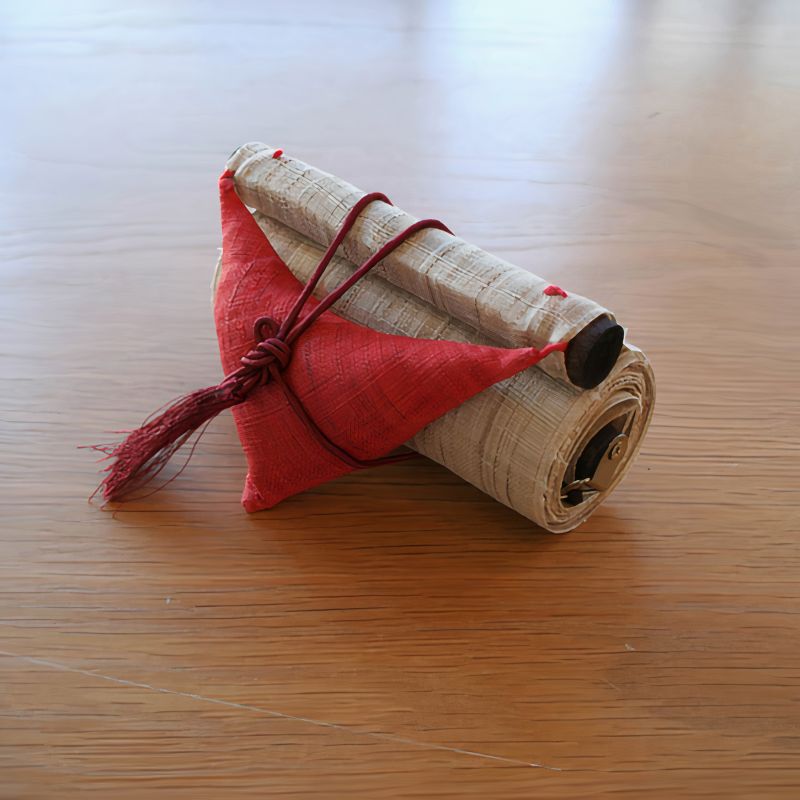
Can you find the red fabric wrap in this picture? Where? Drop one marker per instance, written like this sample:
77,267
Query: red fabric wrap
367,392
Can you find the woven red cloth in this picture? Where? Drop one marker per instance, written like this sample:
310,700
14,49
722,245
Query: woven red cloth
367,392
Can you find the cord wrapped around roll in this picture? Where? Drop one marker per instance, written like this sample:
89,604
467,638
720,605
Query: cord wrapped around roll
548,449
469,284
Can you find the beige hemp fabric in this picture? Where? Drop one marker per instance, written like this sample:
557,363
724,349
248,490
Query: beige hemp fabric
516,440
472,285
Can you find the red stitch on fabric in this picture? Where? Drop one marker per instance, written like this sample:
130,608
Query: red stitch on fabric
277,154
554,347
554,290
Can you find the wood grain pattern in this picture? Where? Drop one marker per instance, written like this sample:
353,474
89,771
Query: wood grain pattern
396,633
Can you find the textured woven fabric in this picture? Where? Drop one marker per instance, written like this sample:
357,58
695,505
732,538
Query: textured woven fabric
368,392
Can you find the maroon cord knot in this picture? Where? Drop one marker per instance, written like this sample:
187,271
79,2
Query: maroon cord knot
268,352
269,348
270,356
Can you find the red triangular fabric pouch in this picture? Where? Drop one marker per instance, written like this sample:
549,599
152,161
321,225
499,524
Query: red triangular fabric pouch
314,396
367,391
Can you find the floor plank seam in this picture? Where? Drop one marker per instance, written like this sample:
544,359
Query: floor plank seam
387,737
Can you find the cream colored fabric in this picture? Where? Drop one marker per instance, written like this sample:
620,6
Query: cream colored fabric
515,440
491,295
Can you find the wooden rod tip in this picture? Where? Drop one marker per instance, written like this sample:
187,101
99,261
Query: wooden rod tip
591,355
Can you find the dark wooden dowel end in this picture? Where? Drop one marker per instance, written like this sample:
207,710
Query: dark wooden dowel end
591,354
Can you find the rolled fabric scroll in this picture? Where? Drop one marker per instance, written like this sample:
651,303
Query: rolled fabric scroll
484,291
538,444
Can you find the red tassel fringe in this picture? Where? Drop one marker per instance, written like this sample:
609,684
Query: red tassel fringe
146,450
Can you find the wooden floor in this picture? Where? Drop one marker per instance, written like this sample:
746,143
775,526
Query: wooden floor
397,633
